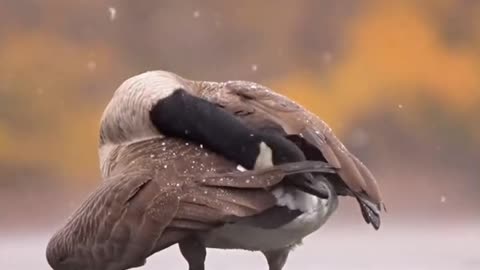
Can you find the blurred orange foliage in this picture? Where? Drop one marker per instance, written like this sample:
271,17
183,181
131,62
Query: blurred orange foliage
394,57
391,56
50,123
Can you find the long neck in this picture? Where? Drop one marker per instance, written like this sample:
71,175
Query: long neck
185,116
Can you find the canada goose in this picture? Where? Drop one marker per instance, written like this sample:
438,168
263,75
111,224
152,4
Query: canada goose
171,155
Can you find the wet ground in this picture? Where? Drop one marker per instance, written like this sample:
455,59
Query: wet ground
356,247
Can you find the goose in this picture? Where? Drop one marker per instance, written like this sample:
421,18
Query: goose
229,165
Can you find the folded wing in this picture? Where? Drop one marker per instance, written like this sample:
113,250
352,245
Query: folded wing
259,107
171,190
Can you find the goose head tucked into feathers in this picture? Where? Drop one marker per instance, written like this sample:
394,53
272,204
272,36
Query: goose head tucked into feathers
127,119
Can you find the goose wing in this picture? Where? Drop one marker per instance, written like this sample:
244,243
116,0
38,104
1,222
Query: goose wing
260,107
212,190
160,194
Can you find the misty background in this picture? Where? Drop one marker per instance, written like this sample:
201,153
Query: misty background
398,81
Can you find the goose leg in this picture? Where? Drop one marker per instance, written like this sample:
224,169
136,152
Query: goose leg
276,258
194,252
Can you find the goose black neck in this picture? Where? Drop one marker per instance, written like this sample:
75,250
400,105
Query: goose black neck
194,119
185,116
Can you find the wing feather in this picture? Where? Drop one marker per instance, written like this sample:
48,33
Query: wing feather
269,106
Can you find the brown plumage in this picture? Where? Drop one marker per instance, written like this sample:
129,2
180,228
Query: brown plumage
258,106
159,191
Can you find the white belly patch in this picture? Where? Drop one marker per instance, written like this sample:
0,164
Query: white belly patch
316,211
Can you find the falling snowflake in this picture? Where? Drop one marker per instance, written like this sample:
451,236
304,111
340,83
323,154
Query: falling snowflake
359,137
254,67
113,13
327,57
196,14
443,199
91,65
400,106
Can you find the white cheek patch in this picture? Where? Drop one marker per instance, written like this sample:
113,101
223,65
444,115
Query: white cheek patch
241,168
264,159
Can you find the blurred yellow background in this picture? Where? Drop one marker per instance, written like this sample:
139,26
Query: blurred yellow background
399,81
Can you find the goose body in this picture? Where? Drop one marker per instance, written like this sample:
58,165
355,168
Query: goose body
249,235
170,150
